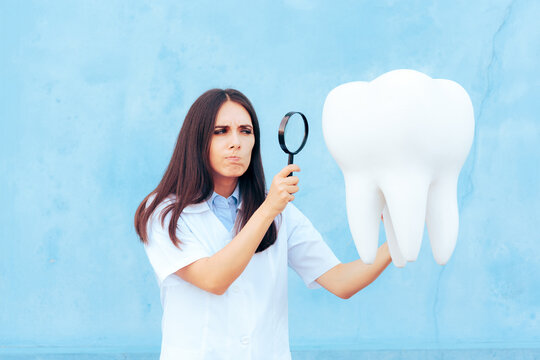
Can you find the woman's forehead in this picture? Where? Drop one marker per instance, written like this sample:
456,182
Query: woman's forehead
233,114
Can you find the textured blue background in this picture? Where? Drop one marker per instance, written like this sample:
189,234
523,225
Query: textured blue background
93,94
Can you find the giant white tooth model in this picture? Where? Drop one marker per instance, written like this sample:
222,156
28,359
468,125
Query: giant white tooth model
400,141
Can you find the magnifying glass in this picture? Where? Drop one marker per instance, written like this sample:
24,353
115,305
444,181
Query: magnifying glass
294,130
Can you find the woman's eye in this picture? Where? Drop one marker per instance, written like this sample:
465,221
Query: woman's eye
219,131
247,131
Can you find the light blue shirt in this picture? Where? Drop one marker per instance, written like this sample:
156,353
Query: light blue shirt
225,209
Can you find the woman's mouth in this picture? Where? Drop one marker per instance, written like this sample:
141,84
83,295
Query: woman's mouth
233,158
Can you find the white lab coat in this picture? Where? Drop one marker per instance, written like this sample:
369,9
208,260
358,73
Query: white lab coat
250,320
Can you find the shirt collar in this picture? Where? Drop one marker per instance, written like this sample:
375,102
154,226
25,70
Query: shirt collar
235,196
205,205
236,193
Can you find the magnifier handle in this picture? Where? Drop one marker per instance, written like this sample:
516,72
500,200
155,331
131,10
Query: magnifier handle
290,162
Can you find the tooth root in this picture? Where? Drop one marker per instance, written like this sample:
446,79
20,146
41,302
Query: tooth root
442,218
364,206
395,251
406,198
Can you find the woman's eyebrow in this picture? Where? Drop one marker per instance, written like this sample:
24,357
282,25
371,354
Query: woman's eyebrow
226,126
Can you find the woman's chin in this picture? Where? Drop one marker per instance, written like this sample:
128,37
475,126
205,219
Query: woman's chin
238,174
234,173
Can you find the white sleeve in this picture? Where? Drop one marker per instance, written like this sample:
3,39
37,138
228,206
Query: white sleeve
164,256
307,252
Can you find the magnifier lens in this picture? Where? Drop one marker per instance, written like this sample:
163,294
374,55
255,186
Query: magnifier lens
294,133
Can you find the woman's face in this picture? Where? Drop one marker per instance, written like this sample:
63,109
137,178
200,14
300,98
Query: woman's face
232,142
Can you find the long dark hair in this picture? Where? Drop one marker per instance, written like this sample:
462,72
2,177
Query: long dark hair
188,175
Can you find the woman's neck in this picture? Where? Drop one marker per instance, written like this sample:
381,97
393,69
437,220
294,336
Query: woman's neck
225,187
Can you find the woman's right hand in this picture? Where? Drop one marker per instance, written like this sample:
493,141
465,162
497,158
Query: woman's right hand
281,190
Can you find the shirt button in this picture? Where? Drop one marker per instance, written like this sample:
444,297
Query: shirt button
235,288
244,340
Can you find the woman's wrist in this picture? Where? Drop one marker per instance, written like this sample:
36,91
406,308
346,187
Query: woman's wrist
386,252
267,211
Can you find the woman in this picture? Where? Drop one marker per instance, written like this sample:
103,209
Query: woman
220,245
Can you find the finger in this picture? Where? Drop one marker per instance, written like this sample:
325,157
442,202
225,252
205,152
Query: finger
288,169
292,189
291,180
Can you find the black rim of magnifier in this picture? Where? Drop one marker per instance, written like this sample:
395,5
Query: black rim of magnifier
281,132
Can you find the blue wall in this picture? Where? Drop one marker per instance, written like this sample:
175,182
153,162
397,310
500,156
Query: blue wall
93,94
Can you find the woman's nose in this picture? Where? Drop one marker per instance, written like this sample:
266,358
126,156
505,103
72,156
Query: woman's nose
235,141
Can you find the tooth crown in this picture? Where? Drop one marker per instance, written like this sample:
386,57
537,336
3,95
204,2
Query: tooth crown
400,141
